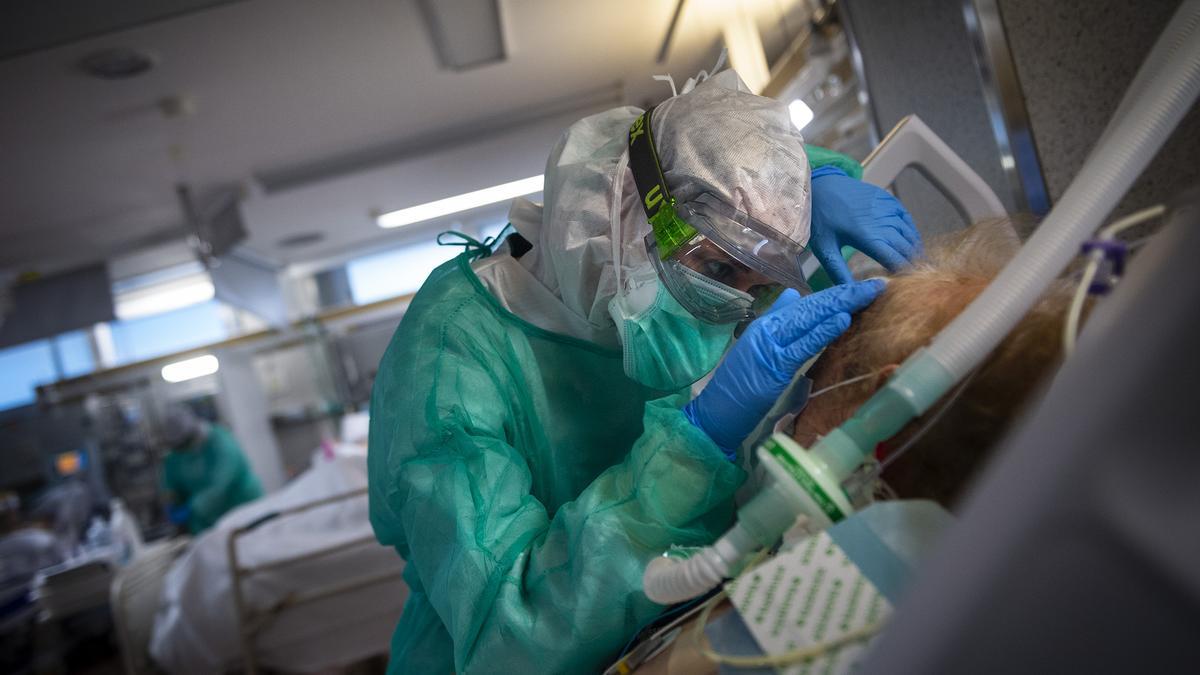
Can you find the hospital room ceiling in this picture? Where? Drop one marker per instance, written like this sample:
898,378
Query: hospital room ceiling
290,92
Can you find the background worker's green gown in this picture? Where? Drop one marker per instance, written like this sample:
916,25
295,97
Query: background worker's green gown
211,479
527,481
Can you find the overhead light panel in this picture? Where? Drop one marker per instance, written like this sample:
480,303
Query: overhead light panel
466,33
164,297
463,202
190,369
800,113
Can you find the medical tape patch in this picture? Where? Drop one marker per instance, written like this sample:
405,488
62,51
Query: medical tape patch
811,597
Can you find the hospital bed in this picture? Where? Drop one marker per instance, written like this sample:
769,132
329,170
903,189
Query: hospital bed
911,143
291,582
134,598
254,622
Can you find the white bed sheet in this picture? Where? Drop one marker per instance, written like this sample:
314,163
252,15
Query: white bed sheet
195,627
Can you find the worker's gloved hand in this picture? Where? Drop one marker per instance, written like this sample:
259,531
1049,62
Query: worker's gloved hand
761,364
180,515
849,212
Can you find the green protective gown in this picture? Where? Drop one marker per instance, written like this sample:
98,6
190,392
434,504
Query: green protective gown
211,478
526,481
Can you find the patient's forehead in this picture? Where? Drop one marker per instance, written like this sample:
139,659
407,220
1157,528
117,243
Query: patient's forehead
908,314
919,301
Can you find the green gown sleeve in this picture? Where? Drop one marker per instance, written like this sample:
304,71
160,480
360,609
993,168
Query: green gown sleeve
225,466
818,156
520,589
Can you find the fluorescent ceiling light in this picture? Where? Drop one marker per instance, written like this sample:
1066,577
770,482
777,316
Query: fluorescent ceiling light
164,297
463,202
801,113
190,369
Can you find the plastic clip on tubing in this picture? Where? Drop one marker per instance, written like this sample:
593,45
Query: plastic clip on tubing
1112,250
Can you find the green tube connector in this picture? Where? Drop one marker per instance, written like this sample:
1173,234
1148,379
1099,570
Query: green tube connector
915,387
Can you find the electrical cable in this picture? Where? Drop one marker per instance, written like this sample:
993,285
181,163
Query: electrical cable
908,445
1095,257
838,385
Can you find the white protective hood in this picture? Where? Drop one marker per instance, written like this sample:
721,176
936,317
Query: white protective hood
717,138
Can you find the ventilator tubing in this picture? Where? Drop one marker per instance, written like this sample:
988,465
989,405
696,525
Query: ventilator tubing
668,580
1164,90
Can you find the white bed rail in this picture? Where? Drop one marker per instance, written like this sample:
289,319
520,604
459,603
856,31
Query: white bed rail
911,143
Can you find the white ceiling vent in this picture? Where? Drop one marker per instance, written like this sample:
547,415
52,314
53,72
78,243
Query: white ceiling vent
117,63
466,33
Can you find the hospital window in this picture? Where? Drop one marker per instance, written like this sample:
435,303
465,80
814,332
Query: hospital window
25,367
28,365
388,274
172,331
75,355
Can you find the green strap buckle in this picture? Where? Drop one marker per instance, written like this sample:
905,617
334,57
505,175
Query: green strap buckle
670,230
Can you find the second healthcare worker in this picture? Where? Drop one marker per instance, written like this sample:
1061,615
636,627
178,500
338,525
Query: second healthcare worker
532,441
205,473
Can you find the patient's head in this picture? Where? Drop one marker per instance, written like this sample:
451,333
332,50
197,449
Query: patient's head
917,304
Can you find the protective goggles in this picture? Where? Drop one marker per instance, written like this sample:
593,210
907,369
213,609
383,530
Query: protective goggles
717,262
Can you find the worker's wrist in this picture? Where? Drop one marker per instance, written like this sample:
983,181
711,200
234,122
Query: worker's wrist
820,158
690,412
827,170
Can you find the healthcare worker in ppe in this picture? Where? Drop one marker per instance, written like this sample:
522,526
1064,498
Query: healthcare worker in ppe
532,442
205,473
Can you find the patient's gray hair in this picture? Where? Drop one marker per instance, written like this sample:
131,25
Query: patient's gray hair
919,303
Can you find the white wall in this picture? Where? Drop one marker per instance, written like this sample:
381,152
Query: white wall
244,406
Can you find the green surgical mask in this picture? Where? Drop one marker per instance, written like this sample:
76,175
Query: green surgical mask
665,347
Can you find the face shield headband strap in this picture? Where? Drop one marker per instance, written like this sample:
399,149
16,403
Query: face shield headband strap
670,231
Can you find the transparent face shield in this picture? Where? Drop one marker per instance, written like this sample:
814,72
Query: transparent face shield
732,269
719,263
710,284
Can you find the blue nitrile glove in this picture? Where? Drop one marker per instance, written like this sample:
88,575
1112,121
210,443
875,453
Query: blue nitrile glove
761,364
180,515
849,212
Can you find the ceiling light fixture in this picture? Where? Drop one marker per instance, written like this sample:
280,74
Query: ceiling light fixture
164,297
190,369
463,202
